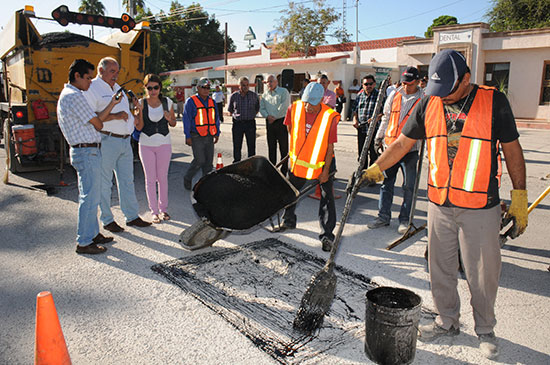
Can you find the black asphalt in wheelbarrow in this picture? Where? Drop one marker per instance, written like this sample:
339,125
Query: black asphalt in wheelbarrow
243,195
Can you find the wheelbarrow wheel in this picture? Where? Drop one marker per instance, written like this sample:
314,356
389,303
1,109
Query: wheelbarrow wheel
200,235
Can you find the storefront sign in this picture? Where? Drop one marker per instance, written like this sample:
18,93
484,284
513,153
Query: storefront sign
455,37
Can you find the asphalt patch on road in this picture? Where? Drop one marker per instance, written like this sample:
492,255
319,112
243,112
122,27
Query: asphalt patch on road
257,288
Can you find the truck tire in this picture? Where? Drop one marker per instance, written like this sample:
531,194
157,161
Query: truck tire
11,159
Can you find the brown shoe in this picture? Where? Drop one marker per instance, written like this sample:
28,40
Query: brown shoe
138,222
113,227
101,239
92,249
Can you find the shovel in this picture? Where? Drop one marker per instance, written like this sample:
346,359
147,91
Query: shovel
412,229
322,287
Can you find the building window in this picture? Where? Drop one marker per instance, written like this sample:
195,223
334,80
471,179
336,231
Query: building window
545,88
497,75
259,81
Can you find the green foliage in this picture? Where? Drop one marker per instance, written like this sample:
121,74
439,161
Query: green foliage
182,35
342,35
519,14
138,5
304,27
442,20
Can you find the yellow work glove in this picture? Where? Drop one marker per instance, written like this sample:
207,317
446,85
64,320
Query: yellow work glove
517,212
371,175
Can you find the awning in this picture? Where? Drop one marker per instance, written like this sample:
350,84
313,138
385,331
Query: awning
186,71
283,63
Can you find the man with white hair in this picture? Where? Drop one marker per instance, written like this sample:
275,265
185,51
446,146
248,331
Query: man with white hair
116,151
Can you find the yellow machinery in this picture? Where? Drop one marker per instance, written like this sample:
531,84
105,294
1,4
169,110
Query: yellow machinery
35,67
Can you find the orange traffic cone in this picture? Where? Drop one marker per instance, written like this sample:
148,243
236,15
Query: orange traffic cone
219,164
317,194
50,346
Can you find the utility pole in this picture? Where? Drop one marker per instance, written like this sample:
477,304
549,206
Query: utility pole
344,15
225,54
357,49
132,8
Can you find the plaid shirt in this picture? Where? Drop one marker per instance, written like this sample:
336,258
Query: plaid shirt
365,107
74,115
244,107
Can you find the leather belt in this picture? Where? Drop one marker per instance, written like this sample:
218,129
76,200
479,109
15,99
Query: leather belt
81,145
123,136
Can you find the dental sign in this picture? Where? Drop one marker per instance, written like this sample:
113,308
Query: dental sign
455,37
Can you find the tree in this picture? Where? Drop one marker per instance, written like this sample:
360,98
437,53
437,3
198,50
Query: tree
518,14
442,20
182,34
304,27
94,7
137,4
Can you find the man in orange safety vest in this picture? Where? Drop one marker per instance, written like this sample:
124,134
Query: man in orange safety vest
464,125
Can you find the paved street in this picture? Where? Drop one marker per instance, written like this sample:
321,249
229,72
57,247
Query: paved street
115,310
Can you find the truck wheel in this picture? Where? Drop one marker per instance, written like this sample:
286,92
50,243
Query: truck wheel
11,159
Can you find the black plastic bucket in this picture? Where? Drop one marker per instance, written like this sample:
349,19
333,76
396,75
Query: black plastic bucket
391,324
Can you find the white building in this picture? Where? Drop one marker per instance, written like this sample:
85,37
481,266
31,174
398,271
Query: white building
517,62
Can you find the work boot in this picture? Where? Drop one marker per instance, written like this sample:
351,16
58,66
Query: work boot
377,223
402,228
327,244
92,249
430,332
101,239
488,345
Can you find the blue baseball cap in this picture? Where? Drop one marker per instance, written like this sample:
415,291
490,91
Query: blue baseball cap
446,68
313,93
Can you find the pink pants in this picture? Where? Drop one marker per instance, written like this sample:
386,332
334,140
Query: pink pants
155,161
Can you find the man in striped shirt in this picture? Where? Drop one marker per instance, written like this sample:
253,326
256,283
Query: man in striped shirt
362,116
243,107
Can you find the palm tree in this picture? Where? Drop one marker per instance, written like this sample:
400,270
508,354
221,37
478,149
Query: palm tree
136,3
94,7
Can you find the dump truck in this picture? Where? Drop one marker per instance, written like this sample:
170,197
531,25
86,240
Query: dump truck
34,68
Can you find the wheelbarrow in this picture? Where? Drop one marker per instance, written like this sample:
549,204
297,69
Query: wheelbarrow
238,197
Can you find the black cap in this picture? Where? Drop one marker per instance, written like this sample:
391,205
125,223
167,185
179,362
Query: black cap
410,74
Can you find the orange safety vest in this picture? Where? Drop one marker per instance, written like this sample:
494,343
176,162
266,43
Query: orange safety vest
466,184
394,127
205,119
307,152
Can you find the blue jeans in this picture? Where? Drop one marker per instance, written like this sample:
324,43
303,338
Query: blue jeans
117,156
408,167
87,163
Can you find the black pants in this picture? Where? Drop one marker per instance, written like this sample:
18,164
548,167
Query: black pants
220,111
352,104
277,133
240,129
327,207
361,138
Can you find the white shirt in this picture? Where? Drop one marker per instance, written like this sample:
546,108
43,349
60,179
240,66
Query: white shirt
217,96
353,96
156,114
99,95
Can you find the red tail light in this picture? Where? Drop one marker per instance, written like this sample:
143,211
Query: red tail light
19,115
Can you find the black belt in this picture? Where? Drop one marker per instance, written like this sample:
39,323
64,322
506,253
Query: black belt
123,136
82,145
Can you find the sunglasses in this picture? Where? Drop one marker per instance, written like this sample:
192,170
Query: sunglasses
204,87
156,87
368,83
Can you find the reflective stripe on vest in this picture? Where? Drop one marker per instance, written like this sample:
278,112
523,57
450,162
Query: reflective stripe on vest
394,126
467,184
205,120
307,152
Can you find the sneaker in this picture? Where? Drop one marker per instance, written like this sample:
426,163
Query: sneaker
430,332
138,222
101,239
377,223
403,227
92,249
165,216
488,345
113,227
326,244
187,184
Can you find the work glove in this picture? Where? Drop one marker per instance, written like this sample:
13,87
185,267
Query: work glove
517,212
371,175
378,146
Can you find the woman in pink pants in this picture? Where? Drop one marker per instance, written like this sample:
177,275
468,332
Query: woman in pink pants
155,147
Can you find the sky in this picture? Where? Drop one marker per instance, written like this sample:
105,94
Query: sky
377,19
